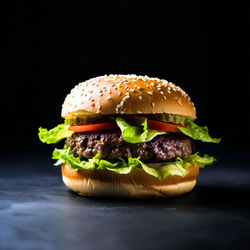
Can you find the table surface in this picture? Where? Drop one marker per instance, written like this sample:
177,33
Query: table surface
38,212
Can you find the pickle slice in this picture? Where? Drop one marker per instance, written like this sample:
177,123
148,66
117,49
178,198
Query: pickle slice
91,119
88,119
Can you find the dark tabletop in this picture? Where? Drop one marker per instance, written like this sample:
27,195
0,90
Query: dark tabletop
38,212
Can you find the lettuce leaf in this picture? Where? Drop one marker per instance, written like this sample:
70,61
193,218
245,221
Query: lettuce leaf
176,167
54,135
140,133
168,169
137,134
198,133
66,156
196,160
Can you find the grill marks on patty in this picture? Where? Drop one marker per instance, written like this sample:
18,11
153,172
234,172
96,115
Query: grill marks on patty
111,146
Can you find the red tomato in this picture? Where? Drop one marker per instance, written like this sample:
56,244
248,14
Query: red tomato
93,127
164,126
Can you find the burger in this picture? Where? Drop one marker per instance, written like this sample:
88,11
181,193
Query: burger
128,136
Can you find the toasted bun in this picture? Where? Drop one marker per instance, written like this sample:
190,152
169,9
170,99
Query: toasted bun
127,94
135,184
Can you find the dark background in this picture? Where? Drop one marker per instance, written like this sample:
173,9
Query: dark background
50,47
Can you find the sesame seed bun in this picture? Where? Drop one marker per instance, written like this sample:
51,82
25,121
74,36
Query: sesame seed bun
137,183
127,94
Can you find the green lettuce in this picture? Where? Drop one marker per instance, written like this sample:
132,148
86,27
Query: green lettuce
168,169
54,135
198,133
137,134
176,167
66,156
196,160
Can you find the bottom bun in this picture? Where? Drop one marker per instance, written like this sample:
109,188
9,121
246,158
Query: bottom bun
135,184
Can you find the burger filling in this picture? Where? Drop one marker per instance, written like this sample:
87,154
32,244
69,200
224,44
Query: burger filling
111,146
122,143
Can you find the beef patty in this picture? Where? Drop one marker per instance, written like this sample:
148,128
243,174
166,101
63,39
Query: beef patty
111,146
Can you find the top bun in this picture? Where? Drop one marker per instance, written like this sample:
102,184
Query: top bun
127,94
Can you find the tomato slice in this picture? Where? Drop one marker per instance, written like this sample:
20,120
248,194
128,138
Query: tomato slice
93,127
164,126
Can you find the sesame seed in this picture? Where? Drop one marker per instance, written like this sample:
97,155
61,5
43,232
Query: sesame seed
150,93
132,90
153,104
162,92
152,84
164,97
140,97
109,97
139,112
127,93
